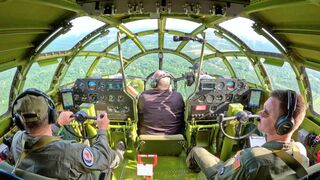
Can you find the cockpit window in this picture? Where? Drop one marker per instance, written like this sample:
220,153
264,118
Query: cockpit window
147,64
219,42
143,66
6,78
149,41
174,64
78,68
129,48
282,77
181,25
169,43
244,69
193,49
82,26
215,66
44,69
314,79
106,66
142,25
103,42
242,28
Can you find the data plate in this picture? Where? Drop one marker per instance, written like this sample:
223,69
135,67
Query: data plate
144,170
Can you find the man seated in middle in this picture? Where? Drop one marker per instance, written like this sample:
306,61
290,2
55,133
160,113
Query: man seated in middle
161,110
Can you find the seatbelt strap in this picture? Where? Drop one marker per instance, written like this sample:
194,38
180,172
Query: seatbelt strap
42,142
291,162
296,153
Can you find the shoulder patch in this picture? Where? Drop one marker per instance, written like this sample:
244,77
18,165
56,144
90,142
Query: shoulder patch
236,163
87,157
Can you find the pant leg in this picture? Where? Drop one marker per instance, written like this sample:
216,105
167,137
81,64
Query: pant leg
208,163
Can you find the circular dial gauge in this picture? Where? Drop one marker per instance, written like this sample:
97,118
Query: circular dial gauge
201,98
111,98
81,86
92,85
219,97
209,98
230,85
220,85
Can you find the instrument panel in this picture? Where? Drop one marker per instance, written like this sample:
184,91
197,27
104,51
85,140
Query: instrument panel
106,94
214,96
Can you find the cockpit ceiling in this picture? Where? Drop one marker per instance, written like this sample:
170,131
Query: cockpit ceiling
26,24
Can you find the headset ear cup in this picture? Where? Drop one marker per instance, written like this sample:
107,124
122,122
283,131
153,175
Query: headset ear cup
283,125
18,120
153,83
51,115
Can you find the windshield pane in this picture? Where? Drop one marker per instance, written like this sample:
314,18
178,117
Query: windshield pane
143,66
193,49
142,25
242,28
180,25
40,77
169,43
174,64
106,66
219,43
314,81
78,68
215,66
82,26
103,42
6,78
149,41
282,77
128,49
243,69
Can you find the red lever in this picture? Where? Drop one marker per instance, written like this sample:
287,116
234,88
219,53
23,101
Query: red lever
154,156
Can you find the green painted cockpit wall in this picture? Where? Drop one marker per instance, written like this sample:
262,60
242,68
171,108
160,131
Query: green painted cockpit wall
26,24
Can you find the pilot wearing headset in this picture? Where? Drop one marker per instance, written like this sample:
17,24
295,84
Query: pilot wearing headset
161,110
37,150
280,156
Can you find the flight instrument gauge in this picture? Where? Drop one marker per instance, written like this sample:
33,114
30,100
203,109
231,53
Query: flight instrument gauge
92,85
220,85
230,85
209,98
111,98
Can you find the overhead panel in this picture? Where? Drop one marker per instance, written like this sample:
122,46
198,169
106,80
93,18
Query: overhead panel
23,26
295,23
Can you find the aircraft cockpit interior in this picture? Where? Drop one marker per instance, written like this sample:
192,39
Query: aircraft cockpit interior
223,57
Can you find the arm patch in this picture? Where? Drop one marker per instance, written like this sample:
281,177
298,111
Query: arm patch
87,157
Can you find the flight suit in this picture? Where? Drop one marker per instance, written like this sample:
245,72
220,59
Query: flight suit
251,163
66,159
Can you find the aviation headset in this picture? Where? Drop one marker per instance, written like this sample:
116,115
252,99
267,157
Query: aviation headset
19,119
285,122
155,81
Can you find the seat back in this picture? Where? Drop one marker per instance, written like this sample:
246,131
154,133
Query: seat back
162,145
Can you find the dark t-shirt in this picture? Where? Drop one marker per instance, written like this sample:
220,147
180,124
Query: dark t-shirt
160,112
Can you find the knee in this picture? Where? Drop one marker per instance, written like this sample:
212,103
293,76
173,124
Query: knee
197,150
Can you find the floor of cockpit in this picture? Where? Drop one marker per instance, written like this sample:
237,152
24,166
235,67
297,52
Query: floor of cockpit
168,167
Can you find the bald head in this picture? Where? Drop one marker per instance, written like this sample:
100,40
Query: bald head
163,80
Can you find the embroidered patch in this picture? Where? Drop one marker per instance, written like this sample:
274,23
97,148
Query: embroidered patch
236,163
87,157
